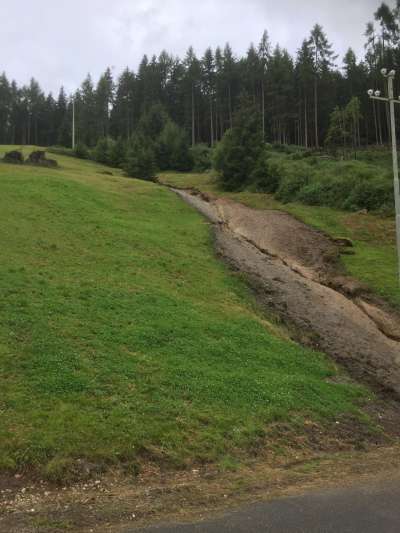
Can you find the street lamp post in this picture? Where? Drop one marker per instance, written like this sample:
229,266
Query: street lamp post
376,95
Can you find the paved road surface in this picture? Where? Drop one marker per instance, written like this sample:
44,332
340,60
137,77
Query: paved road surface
368,510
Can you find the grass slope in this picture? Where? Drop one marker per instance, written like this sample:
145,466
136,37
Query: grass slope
121,335
374,261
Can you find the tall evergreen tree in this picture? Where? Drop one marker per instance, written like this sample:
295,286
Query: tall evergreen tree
264,53
323,61
208,83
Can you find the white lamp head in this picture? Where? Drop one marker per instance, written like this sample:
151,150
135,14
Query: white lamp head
392,73
377,94
384,72
371,92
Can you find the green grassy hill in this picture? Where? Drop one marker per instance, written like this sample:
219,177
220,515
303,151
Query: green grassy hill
123,337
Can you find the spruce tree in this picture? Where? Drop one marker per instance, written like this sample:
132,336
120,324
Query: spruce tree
239,151
323,60
140,160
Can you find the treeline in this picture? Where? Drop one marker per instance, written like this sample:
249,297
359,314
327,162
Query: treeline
294,96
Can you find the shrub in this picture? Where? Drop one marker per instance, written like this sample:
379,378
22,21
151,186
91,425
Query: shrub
140,160
82,151
267,174
371,195
283,148
101,152
117,153
202,157
292,183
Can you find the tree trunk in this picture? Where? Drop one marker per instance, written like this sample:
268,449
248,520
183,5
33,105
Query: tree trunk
263,108
316,113
305,123
193,119
211,123
230,106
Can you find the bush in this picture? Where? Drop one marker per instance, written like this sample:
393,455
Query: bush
371,195
202,157
140,160
82,151
349,187
292,183
267,174
312,177
101,152
117,153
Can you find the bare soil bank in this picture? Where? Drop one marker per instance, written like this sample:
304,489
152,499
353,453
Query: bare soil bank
295,271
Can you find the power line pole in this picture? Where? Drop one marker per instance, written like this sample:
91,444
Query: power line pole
73,123
391,99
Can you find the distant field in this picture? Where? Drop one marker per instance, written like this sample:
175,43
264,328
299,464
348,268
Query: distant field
122,337
374,236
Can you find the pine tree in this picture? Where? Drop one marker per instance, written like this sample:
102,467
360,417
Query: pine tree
117,153
172,149
192,79
305,77
62,120
229,79
5,108
208,83
122,119
239,151
140,160
85,104
337,133
323,60
104,99
264,54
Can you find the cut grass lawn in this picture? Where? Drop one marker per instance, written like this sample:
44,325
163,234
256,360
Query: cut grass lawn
374,261
122,336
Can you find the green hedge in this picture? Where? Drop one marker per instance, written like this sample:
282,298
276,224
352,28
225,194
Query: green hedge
320,180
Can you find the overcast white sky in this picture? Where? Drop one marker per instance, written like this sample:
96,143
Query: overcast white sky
59,42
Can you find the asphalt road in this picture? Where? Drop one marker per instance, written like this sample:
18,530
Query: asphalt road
367,510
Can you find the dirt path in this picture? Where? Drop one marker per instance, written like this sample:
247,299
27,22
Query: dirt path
295,271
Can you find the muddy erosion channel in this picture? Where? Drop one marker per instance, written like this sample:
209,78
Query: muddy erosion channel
296,274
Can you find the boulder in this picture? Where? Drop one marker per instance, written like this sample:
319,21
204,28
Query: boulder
343,242
39,158
15,157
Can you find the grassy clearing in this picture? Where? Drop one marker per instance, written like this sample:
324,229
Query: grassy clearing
374,236
121,336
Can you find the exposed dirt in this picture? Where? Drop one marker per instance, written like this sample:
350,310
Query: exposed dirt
116,502
295,271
